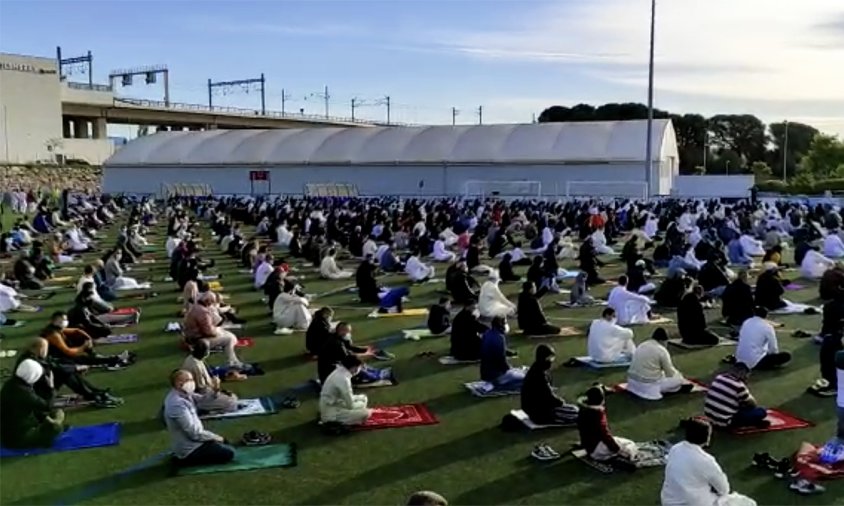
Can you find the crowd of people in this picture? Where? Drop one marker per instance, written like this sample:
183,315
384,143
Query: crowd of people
708,251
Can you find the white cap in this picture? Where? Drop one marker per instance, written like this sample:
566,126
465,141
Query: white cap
30,371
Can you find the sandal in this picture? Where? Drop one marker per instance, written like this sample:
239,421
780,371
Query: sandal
235,376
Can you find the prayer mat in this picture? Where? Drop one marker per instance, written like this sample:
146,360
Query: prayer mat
215,286
370,377
564,332
680,344
42,296
565,303
656,321
248,369
419,311
795,308
417,334
247,458
601,467
391,417
123,311
449,360
780,420
246,407
71,401
147,261
242,342
523,417
25,308
61,279
117,339
485,389
809,466
793,287
75,438
18,323
697,387
588,362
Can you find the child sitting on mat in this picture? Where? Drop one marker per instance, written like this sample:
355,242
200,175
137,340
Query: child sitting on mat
337,401
595,435
539,401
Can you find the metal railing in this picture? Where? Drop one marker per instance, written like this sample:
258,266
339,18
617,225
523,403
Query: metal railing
86,86
237,111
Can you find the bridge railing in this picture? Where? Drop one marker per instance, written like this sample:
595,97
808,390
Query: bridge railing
238,111
86,86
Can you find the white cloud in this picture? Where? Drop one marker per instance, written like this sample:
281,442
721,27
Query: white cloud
719,48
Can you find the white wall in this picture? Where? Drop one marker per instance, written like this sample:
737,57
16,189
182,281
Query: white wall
93,151
83,96
30,108
737,186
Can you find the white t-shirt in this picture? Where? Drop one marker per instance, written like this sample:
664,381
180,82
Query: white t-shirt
692,477
757,338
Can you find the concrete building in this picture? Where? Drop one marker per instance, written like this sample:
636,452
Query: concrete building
44,118
547,160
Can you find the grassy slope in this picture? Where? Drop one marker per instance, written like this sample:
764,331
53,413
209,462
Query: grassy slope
466,457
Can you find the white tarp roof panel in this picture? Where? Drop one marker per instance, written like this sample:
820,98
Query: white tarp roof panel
610,141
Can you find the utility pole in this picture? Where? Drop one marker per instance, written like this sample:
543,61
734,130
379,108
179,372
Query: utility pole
284,97
705,148
649,147
454,113
387,101
785,153
327,96
480,115
353,108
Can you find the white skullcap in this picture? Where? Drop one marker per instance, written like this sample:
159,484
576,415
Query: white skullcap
30,371
770,266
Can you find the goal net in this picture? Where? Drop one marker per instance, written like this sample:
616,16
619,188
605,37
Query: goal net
511,189
607,189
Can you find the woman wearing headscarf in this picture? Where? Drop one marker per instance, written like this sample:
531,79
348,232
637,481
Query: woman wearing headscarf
538,399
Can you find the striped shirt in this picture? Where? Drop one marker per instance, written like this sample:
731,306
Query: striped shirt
725,396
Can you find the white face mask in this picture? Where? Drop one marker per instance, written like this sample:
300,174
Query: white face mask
476,313
63,324
189,387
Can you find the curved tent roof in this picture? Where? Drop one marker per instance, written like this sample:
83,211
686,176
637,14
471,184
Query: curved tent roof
611,141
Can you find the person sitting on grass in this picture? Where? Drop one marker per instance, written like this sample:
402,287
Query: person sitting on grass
595,435
114,274
340,345
691,320
630,307
319,331
693,476
579,295
462,286
531,318
200,323
337,401
25,273
505,269
737,301
651,373
416,270
75,346
466,334
84,317
57,374
191,444
758,347
290,311
210,398
608,342
492,302
26,418
729,404
770,288
439,317
538,399
367,285
328,268
495,367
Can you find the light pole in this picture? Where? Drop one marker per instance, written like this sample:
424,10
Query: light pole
728,167
649,147
785,153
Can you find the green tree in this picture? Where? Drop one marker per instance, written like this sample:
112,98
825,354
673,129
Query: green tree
743,134
760,170
825,156
799,139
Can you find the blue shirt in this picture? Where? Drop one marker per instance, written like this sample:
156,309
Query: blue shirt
736,254
493,355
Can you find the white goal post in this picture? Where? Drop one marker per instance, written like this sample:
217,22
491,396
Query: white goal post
607,189
504,189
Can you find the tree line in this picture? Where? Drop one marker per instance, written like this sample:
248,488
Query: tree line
729,143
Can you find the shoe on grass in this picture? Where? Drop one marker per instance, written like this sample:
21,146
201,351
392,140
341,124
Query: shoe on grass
283,331
542,454
806,487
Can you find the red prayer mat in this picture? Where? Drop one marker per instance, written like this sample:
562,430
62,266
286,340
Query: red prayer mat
125,310
779,421
810,468
244,342
408,415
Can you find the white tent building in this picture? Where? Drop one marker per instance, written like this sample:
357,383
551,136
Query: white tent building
549,159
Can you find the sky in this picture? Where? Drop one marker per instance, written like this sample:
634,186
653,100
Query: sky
777,59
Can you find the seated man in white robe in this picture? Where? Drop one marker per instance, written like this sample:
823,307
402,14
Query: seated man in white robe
566,249
651,227
449,237
8,299
284,235
651,371
693,477
491,302
686,222
369,249
608,342
441,254
693,260
328,268
833,247
172,243
337,401
290,311
263,271
751,246
114,275
599,241
76,242
814,265
418,271
379,253
631,308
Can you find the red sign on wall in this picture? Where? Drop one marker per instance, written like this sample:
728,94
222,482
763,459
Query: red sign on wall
259,175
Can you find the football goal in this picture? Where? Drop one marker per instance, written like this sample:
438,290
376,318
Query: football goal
607,189
504,189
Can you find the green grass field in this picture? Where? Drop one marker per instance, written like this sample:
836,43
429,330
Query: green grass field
466,457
